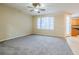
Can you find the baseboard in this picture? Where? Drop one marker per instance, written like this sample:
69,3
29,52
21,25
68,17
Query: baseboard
13,38
29,35
3,40
49,35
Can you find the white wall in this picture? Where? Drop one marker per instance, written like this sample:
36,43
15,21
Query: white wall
13,23
59,26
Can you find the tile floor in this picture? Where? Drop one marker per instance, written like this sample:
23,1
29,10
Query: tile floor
74,44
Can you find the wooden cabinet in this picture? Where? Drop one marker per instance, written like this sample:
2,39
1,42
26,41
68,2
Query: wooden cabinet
77,21
74,22
74,32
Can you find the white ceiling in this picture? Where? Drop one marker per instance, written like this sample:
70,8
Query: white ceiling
50,8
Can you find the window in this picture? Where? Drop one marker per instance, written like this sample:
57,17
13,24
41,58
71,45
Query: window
68,25
45,23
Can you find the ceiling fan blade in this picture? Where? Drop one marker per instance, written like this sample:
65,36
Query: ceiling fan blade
38,11
42,9
31,10
29,7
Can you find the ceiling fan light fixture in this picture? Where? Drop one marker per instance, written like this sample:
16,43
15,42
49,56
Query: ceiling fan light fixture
36,10
37,7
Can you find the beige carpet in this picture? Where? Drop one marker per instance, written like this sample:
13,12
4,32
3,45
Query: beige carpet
35,45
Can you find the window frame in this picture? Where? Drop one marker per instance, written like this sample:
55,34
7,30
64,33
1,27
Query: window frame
50,25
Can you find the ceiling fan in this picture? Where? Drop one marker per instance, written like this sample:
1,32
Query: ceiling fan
36,7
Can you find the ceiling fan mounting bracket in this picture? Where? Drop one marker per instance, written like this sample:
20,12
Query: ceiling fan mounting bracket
36,4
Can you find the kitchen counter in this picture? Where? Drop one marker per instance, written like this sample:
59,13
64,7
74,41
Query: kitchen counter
76,28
